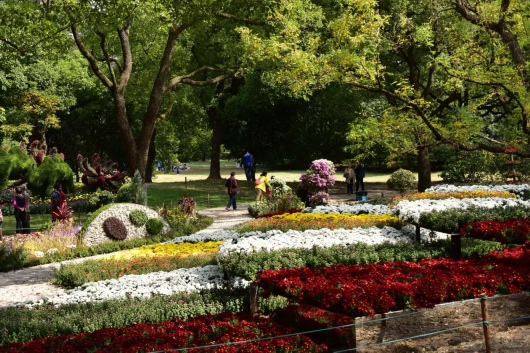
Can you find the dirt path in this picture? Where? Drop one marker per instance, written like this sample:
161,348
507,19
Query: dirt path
32,283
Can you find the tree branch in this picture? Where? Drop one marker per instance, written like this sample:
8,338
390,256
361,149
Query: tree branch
107,57
179,79
241,19
190,82
91,60
8,42
123,34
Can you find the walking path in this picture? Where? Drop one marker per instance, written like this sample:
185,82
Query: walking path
32,283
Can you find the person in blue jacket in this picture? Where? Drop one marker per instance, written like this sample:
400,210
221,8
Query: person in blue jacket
248,159
359,177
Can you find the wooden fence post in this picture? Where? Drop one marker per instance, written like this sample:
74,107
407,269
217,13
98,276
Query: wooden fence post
456,246
254,299
208,200
485,324
186,182
352,337
418,233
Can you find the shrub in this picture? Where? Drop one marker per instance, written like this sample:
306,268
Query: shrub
138,217
450,221
286,202
12,256
63,213
101,198
114,228
154,226
124,193
402,180
138,194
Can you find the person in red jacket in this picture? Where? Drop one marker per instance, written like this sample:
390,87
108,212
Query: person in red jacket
231,184
58,198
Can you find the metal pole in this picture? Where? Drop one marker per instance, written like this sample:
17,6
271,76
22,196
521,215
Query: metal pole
485,323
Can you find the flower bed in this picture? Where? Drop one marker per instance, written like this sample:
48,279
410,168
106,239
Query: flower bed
305,221
512,231
24,325
183,249
521,190
201,331
248,265
453,219
361,208
378,288
141,286
410,211
205,236
75,275
451,195
275,240
291,211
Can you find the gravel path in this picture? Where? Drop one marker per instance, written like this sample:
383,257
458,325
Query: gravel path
32,283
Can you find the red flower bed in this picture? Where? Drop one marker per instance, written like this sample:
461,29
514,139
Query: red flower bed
268,215
308,318
200,331
378,288
512,231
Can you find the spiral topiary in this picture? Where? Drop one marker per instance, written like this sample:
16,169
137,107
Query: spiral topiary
115,229
154,226
138,217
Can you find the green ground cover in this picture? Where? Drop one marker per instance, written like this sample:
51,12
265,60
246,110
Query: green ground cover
37,220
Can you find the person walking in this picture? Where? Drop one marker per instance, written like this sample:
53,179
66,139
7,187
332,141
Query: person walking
359,176
25,192
1,221
261,186
58,198
349,175
231,185
248,161
19,202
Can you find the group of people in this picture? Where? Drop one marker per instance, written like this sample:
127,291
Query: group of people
21,205
262,187
352,175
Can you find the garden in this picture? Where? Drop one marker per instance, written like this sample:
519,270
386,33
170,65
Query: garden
159,282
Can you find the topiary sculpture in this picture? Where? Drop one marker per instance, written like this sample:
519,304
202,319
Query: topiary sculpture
138,217
115,229
17,164
105,176
154,226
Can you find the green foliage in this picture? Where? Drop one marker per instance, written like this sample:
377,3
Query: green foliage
124,193
138,217
75,275
23,325
402,180
283,203
138,194
11,258
248,265
100,198
154,226
13,162
450,221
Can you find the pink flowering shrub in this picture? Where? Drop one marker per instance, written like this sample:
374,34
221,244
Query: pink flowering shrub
317,179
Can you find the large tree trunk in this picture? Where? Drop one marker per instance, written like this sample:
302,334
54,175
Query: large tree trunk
150,159
39,133
424,169
217,135
126,132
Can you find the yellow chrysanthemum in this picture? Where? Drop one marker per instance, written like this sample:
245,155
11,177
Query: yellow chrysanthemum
184,249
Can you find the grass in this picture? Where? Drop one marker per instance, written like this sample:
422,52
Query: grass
37,220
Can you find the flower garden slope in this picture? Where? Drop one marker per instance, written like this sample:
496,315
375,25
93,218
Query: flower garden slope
410,211
95,233
361,208
141,286
521,190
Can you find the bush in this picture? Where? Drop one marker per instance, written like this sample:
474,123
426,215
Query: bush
138,217
114,228
154,226
248,265
11,257
138,194
286,202
101,198
450,221
402,180
124,193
